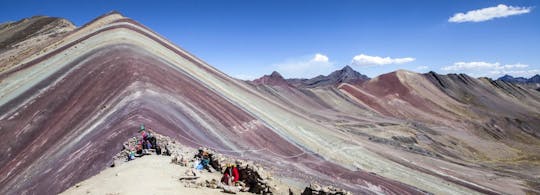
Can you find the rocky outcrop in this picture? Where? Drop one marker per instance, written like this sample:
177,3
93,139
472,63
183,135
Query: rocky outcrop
29,37
316,189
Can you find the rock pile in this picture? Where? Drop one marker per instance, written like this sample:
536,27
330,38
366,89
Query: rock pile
316,189
253,178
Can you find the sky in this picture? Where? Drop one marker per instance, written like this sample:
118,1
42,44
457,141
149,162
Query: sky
303,39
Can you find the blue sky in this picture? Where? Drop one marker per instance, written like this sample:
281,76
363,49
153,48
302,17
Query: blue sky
248,39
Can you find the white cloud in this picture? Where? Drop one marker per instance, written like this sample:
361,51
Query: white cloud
470,65
365,60
320,58
496,69
489,13
516,73
422,68
513,66
306,67
458,66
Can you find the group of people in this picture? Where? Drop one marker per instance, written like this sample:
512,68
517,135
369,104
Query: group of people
145,143
205,160
230,175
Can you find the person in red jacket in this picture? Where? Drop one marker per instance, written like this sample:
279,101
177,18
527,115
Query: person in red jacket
231,175
235,174
226,179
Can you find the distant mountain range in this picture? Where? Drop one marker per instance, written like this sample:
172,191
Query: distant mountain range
345,75
511,79
349,75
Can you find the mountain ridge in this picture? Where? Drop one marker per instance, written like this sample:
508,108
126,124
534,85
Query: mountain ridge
511,79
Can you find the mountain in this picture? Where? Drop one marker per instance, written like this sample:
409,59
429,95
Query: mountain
273,79
531,83
345,75
511,79
65,112
534,79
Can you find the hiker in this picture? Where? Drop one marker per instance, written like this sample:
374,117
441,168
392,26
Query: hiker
152,139
214,163
144,135
131,154
199,154
139,150
205,162
193,172
167,151
148,145
158,150
142,139
226,179
230,176
143,145
197,165
235,173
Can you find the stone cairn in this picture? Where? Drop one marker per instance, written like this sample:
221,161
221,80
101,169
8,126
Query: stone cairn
165,143
253,178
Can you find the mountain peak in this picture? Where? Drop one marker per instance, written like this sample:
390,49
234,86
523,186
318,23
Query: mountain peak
506,77
534,79
273,79
347,68
276,74
345,75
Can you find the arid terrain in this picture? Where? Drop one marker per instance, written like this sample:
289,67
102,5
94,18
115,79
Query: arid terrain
70,96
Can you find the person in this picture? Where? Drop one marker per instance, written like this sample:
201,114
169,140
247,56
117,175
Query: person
131,154
128,155
205,161
144,135
199,153
226,179
167,151
193,172
197,165
152,138
148,145
214,163
158,150
139,149
143,145
231,175
153,141
235,173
